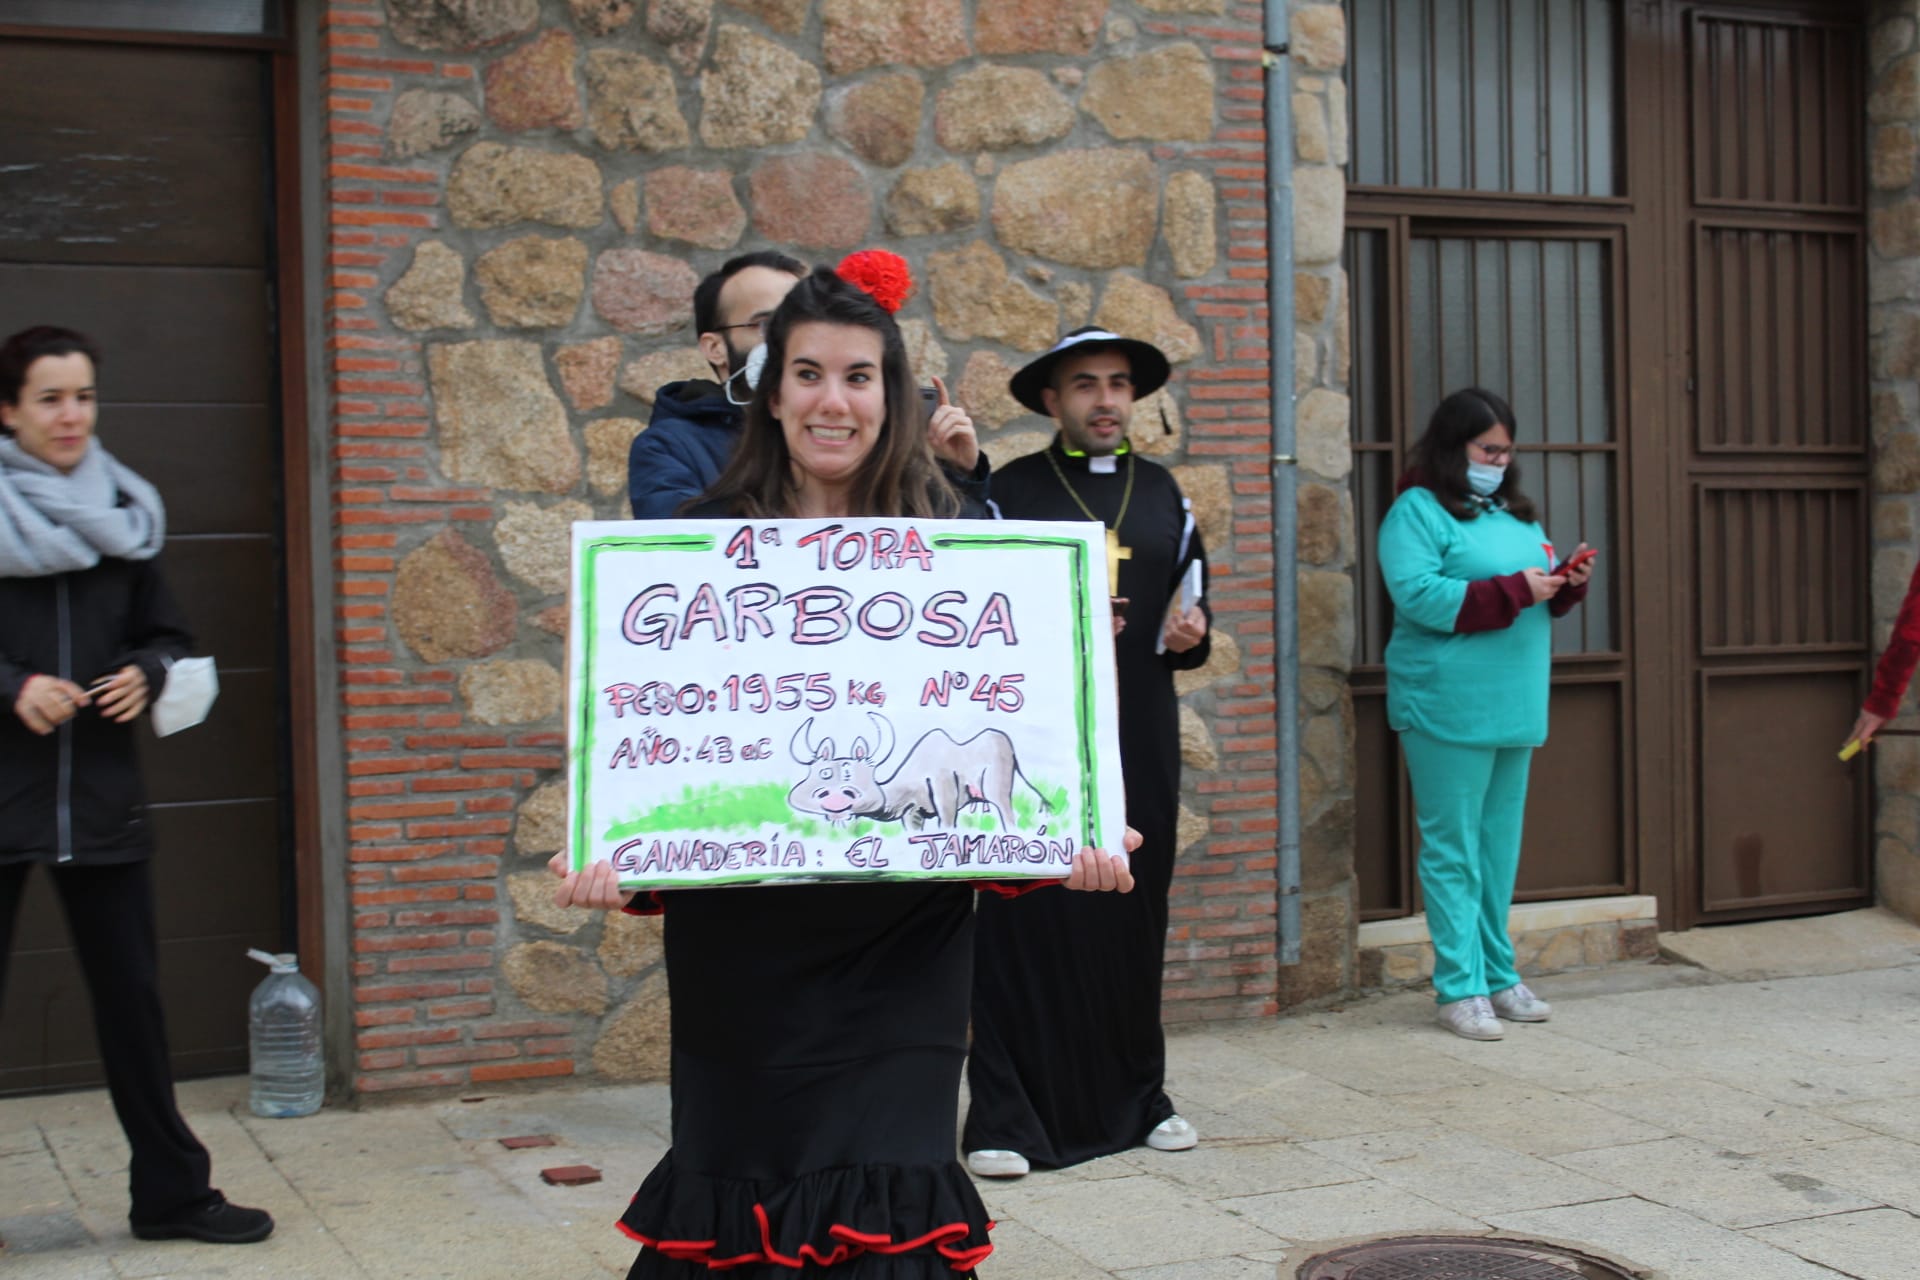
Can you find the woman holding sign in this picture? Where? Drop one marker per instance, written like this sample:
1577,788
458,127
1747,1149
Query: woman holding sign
819,1030
1475,585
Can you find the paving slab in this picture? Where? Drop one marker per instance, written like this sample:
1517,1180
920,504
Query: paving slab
1880,1168
52,1230
1463,1172
1238,1168
1673,1244
51,1266
1346,1211
1530,1118
30,1184
1872,938
1560,1060
1134,1222
1881,1243
1018,1250
1212,1269
1425,1058
1294,1104
1721,1187
1723,1116
1896,1117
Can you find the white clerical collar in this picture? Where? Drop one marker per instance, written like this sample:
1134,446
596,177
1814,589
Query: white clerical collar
1103,464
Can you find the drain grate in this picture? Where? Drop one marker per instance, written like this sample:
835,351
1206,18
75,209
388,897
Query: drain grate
1457,1258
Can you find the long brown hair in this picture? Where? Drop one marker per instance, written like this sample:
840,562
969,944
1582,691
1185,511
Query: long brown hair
1438,459
898,478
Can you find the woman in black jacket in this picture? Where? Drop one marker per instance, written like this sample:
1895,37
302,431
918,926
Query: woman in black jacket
87,630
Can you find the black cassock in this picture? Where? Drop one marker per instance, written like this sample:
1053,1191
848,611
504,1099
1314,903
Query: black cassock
1068,1061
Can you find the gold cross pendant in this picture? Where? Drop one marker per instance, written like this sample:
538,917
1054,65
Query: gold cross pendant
1115,554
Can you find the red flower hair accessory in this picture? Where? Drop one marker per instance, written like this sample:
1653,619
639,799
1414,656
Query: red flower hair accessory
883,274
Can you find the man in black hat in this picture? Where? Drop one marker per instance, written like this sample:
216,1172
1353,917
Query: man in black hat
1068,1059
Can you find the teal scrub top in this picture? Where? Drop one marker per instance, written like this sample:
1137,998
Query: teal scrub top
1483,689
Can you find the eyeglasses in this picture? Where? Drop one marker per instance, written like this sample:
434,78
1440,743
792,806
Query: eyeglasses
758,323
1493,452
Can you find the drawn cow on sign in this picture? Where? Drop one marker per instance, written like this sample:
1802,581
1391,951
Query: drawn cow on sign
939,778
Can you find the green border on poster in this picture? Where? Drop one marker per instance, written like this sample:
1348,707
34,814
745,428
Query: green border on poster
1084,725
583,752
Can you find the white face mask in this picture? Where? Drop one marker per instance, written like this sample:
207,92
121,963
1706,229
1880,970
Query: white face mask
749,373
1484,478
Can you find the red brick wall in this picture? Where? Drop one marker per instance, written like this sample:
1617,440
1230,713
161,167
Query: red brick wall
1222,946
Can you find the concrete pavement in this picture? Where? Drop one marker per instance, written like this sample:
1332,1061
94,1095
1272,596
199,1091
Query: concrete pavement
1695,1125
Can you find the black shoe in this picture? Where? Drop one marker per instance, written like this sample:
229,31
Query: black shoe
216,1222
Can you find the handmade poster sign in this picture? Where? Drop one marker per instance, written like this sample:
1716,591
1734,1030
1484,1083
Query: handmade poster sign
792,701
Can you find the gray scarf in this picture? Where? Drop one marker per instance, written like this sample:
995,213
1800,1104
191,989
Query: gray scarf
57,522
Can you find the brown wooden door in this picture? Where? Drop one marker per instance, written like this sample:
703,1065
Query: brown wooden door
1642,223
1489,242
135,206
1775,449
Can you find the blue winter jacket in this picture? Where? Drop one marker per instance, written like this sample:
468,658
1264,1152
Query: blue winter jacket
684,448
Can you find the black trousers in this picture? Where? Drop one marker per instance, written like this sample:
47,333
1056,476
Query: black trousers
110,915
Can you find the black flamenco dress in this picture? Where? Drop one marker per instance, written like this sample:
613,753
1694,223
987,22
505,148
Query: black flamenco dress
818,1038
819,1033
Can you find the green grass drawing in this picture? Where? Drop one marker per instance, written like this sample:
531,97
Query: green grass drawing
1026,810
759,805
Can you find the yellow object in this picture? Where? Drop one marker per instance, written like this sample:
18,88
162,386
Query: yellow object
1851,750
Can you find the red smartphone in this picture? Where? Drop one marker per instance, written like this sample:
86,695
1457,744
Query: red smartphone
1578,558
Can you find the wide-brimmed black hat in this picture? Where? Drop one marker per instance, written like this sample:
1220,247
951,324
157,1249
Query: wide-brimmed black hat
1150,367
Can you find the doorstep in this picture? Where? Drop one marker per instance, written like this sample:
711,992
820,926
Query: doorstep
1548,937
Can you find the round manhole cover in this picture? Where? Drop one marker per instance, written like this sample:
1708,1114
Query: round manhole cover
1457,1258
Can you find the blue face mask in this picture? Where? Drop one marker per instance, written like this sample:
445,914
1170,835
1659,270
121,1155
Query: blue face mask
1484,479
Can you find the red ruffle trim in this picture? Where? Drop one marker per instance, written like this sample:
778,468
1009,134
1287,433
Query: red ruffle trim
849,1245
737,1228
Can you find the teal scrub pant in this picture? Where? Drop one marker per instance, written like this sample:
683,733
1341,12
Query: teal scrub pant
1469,802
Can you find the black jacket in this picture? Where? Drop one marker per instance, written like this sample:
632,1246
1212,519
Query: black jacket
75,794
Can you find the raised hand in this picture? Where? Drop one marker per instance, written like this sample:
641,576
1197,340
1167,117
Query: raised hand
950,432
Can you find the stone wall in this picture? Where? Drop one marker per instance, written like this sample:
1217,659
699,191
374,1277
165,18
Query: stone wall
1893,270
521,195
1322,359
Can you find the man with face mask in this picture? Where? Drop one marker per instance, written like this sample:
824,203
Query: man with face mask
696,423
1068,1060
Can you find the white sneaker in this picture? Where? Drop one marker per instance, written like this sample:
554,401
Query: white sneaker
1173,1134
994,1163
1518,1004
1471,1018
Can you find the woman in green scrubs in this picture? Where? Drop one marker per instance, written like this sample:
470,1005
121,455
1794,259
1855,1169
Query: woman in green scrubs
1469,570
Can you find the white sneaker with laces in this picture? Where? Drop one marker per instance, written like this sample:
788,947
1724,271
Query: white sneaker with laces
994,1163
1518,1004
1173,1134
1471,1019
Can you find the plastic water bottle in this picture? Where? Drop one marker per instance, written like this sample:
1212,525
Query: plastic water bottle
283,1034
